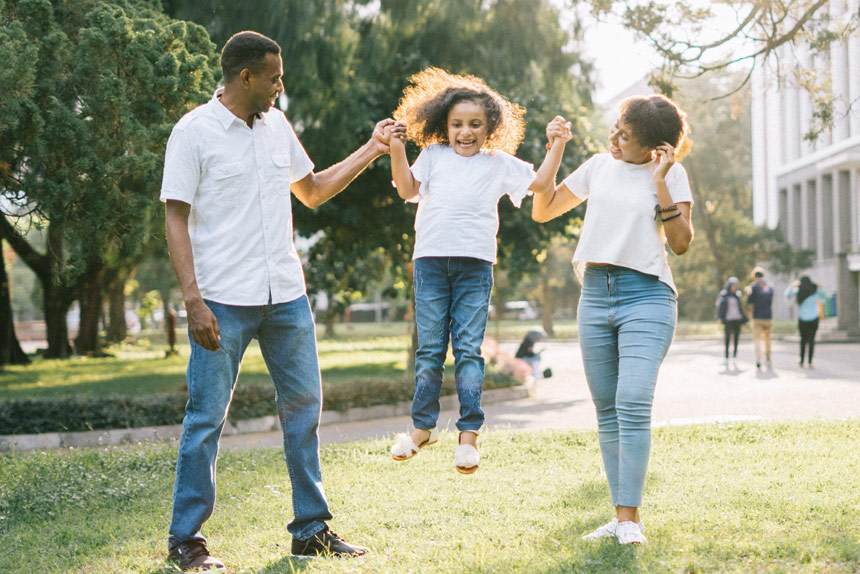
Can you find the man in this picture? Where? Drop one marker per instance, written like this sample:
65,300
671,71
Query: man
230,167
760,296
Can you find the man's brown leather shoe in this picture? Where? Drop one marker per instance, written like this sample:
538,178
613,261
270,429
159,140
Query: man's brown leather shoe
193,555
326,543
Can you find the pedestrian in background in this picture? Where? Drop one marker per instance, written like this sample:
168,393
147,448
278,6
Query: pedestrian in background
731,314
807,294
760,296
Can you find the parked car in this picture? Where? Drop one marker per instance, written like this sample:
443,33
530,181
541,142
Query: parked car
520,310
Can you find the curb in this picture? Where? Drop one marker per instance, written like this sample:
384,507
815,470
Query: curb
116,437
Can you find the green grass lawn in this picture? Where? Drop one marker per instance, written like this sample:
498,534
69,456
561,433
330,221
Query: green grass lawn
719,498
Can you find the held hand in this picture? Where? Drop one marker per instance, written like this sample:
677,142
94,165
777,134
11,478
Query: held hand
384,131
664,159
203,326
558,130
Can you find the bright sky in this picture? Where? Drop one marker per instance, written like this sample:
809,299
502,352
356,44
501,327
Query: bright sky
620,61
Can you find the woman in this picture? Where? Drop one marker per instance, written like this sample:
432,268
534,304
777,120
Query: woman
639,199
807,295
731,314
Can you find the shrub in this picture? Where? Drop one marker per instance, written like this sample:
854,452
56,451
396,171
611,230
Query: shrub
72,413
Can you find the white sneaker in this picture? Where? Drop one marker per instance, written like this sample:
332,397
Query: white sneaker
629,533
607,530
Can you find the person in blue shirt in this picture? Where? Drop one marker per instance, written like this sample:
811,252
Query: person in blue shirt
760,296
807,294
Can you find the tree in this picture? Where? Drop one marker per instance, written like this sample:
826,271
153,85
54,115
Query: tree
786,36
108,81
727,242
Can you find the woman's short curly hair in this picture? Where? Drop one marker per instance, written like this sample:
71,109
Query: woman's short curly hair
655,120
432,93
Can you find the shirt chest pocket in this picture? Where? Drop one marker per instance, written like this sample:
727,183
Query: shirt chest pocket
227,182
281,173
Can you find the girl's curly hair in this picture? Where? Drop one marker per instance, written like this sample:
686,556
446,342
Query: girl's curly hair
657,119
433,92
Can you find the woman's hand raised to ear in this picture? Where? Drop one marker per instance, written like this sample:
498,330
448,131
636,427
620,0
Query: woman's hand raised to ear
664,159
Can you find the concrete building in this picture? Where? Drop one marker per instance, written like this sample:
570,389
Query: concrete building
811,190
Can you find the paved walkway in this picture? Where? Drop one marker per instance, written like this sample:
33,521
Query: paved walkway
693,387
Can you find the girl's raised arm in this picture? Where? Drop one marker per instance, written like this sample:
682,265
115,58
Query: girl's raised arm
551,201
407,186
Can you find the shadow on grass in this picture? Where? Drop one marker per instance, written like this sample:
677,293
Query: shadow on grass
290,564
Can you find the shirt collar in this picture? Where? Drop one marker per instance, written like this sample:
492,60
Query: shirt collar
226,117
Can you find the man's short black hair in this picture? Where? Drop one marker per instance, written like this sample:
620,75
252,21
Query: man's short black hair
246,50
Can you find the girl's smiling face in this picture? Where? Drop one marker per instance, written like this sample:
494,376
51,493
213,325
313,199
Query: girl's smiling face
467,127
623,146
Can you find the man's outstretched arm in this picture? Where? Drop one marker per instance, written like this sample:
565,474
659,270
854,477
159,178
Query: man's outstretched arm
316,188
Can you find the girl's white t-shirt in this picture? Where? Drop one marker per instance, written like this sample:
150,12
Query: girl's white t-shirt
458,213
620,225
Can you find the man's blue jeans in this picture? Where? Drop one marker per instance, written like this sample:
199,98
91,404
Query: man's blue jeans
288,343
452,298
626,322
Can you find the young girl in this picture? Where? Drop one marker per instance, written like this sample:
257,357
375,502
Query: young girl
639,199
467,133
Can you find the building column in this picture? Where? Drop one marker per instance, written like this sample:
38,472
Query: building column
760,169
854,75
839,78
847,297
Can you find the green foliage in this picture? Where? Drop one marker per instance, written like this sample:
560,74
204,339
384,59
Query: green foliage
106,511
84,139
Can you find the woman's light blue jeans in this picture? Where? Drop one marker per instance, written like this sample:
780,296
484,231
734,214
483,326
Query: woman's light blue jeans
626,322
452,298
288,343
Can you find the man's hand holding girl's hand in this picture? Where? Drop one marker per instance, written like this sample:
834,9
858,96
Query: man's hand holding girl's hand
385,130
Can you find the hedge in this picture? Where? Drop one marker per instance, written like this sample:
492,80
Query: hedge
75,413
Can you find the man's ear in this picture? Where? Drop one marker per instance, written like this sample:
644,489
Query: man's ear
245,76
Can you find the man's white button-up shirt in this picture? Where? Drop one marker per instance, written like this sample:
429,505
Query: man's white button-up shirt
237,181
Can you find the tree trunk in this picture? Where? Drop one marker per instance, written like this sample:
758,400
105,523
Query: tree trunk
11,352
55,308
55,296
117,328
87,342
547,303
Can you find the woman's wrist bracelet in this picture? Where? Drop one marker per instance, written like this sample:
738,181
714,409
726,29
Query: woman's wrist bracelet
668,208
671,217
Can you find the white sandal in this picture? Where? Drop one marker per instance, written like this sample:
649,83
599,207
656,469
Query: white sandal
466,458
405,448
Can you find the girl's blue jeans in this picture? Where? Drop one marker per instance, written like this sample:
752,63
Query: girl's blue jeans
626,322
287,340
452,299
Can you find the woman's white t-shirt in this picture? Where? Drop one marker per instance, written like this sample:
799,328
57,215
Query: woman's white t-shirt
458,214
620,225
